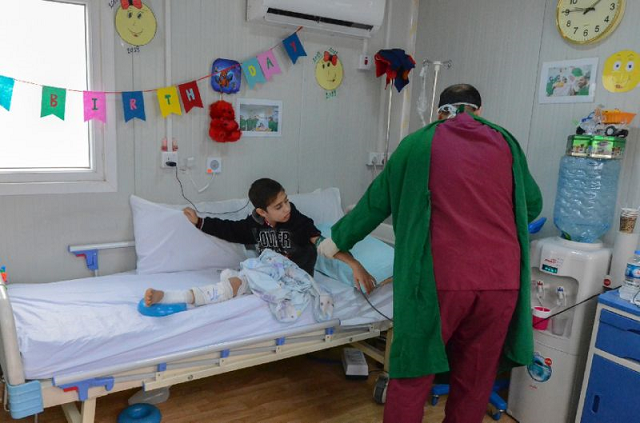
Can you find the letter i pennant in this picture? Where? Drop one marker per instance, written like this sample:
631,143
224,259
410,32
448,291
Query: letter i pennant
95,106
53,101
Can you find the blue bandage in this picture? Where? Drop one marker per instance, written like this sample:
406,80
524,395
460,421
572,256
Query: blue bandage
160,310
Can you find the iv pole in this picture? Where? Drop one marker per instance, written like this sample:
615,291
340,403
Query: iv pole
423,74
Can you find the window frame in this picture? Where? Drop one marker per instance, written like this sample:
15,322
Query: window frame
101,176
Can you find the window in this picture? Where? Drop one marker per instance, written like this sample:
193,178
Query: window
59,44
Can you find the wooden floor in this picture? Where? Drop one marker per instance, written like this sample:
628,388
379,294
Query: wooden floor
302,389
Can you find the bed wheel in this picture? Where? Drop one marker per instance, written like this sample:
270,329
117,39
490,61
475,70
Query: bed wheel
380,389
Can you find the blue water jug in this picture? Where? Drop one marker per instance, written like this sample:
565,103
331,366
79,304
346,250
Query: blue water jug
586,197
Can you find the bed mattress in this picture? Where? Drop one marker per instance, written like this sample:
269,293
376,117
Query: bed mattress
79,325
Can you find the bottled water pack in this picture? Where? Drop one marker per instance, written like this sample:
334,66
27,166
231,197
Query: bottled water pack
586,197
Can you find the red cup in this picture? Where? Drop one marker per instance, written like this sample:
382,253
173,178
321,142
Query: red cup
540,317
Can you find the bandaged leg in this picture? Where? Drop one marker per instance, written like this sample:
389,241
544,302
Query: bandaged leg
231,284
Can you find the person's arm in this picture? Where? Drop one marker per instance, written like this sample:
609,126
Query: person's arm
239,231
361,278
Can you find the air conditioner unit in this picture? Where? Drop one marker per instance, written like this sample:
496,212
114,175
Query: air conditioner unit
358,18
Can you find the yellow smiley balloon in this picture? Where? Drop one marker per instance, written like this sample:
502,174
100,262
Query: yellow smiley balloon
329,71
136,24
621,71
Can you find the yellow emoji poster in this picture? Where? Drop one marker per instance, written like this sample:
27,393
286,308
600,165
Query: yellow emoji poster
135,22
621,72
329,71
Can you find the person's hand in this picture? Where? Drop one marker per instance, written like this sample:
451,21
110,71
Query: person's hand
362,278
191,215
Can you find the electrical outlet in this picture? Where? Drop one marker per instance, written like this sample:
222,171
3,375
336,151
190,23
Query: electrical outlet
364,62
168,156
214,165
376,159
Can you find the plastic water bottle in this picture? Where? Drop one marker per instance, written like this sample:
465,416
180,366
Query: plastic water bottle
631,285
586,197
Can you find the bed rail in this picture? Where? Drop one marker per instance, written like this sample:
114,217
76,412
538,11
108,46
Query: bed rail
9,352
90,252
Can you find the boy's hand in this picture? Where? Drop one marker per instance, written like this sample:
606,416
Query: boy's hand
191,215
362,278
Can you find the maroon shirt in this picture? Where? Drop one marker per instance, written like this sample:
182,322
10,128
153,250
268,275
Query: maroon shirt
473,229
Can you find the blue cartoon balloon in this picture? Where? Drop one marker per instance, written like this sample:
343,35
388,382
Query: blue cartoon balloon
226,76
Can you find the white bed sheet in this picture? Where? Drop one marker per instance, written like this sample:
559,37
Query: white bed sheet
73,326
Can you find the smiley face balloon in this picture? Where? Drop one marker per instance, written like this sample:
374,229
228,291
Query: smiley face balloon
135,22
329,71
621,71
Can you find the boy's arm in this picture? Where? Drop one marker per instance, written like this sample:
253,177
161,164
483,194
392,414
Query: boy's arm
361,278
238,231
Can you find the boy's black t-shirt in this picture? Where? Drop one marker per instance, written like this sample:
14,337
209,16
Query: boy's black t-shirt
291,239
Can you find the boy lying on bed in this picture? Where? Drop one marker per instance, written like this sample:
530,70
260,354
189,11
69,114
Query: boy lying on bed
275,225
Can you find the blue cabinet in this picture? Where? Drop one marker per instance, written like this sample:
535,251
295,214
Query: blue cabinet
611,387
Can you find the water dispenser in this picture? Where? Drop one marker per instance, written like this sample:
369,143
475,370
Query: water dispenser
563,273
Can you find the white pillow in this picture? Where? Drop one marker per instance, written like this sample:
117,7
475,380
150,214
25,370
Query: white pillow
321,205
167,242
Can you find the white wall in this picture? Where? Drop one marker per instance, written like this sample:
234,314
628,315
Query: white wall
499,46
325,142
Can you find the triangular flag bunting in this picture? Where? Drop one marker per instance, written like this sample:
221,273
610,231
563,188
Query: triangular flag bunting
169,101
6,91
53,101
133,105
269,64
190,95
252,72
294,47
95,106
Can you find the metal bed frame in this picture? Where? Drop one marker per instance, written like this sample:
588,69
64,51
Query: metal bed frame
23,398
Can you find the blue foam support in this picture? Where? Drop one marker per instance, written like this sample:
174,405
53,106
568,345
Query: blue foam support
83,386
25,400
329,331
162,367
140,413
280,341
160,310
224,353
90,257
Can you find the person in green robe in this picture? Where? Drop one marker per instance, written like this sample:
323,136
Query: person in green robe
460,196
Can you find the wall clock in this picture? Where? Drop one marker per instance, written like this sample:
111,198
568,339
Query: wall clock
588,21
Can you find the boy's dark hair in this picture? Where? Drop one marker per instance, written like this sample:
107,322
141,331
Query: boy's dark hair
263,191
460,93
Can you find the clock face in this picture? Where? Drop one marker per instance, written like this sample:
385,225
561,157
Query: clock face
588,21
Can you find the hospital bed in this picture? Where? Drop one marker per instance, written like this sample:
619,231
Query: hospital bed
82,339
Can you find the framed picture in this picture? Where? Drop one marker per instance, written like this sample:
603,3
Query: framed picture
259,118
568,81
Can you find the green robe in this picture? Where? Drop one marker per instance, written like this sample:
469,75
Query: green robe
402,191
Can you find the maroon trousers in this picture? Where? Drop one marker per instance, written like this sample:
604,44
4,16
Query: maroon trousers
474,327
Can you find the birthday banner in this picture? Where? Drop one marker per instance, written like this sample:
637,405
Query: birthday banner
256,70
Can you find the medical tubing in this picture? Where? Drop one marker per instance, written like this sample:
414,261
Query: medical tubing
204,212
373,307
